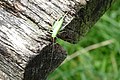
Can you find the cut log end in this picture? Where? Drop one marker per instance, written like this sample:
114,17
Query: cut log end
43,64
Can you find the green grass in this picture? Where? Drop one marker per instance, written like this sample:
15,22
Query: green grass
95,63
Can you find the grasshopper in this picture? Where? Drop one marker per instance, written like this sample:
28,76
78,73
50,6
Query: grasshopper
57,26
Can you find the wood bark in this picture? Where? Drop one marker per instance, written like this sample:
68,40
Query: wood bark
26,46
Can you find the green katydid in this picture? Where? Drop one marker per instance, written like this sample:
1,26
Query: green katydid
57,26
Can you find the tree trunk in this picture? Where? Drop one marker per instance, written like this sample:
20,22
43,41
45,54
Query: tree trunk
26,47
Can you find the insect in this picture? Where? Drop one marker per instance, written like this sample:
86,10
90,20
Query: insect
57,26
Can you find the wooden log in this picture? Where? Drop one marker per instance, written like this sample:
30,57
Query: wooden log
26,49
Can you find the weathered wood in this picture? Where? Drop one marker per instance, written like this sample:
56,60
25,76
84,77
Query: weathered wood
26,50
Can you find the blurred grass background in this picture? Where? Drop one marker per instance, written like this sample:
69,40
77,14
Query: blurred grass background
97,55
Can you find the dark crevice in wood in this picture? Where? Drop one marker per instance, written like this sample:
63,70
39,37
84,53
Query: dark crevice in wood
36,15
57,6
6,43
41,9
8,67
10,8
4,52
31,18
